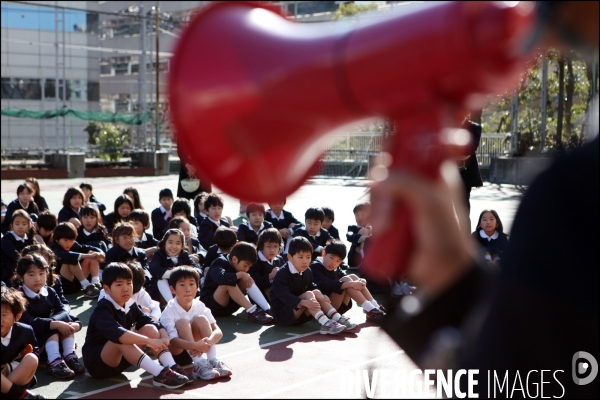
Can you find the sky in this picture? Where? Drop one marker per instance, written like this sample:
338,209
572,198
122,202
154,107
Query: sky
43,18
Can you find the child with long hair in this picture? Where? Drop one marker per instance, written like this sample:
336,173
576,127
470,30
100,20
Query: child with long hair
124,249
50,320
91,231
171,253
135,196
490,235
181,208
199,211
192,245
24,201
269,261
37,196
72,203
20,235
88,192
123,207
140,220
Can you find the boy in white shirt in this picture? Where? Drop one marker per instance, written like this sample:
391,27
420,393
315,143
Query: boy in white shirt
191,325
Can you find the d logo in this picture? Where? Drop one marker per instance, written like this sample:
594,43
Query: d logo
580,367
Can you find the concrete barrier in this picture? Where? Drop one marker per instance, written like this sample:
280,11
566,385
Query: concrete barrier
516,170
159,160
74,163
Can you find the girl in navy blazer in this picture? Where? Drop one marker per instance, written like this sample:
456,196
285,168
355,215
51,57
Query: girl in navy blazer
24,201
20,235
91,231
72,203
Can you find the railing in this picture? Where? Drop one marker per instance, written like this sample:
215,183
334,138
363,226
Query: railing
492,145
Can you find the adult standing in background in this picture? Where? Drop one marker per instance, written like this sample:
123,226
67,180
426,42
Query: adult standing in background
188,171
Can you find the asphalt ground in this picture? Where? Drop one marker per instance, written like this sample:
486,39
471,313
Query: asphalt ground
267,361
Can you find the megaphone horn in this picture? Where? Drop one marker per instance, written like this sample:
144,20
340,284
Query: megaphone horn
254,95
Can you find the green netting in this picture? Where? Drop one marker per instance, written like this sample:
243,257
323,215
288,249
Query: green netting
129,119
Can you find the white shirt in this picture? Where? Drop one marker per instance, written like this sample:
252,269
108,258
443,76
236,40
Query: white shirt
489,238
203,215
262,257
142,239
217,223
262,226
21,239
31,294
24,206
128,305
143,299
174,312
6,339
174,259
87,233
281,216
162,209
293,269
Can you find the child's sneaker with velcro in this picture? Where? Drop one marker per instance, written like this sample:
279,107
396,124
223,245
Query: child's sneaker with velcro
346,322
223,369
331,328
91,291
375,314
169,379
204,370
181,371
59,369
73,363
260,317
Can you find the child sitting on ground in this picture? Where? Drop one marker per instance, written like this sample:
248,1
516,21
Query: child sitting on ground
181,208
192,245
124,249
123,207
359,233
249,231
88,190
72,203
91,231
192,327
213,207
328,223
48,317
294,296
24,201
20,235
282,220
162,215
45,224
490,236
76,262
110,345
19,356
141,297
342,288
269,261
171,253
314,231
143,239
134,195
227,282
199,211
225,239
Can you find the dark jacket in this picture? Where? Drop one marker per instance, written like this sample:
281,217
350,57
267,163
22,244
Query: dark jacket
161,262
101,207
110,221
247,234
327,281
470,173
260,271
41,203
14,205
94,239
20,337
354,258
70,257
317,242
333,231
159,223
287,287
288,218
206,232
221,272
211,255
11,249
119,254
66,213
150,241
501,243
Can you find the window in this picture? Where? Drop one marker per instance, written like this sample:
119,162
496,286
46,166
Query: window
21,88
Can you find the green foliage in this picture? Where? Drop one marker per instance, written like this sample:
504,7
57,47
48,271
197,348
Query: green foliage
110,138
350,9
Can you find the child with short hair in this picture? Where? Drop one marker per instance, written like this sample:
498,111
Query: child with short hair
143,239
328,223
192,245
91,231
181,208
489,235
192,327
76,262
282,220
124,249
110,345
213,206
295,297
72,202
24,201
359,233
171,253
141,297
199,211
249,231
227,281
19,356
45,224
37,195
161,215
135,196
123,207
313,230
88,190
48,317
225,239
20,235
269,261
342,288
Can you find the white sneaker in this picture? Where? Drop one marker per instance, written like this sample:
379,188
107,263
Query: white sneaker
346,322
204,370
331,328
221,367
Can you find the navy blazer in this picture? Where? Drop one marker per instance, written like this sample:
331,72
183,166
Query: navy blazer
211,255
148,243
13,206
315,241
110,221
41,203
119,254
327,281
101,207
95,239
353,237
11,249
247,234
221,272
501,242
70,257
288,218
333,231
260,270
66,213
161,262
206,232
20,337
288,286
159,224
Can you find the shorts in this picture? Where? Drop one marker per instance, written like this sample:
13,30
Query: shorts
284,315
183,358
98,369
70,287
218,310
344,307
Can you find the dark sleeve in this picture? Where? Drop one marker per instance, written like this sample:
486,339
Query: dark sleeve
158,265
106,323
112,255
293,219
205,235
476,133
259,273
63,215
158,223
101,206
65,257
352,236
84,248
109,222
187,260
42,205
9,249
59,291
30,335
323,282
281,289
142,318
333,231
10,209
60,312
242,233
221,276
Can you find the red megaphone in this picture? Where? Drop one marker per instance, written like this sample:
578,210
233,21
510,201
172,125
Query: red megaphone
253,95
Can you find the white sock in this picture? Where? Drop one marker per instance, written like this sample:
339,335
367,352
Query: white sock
211,353
195,359
333,314
367,306
95,279
166,358
375,303
256,295
251,309
68,345
165,291
52,350
322,318
84,283
147,364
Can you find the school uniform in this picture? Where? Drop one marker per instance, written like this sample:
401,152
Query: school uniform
42,309
173,312
495,244
146,241
19,336
92,239
11,248
119,254
70,257
110,220
221,272
101,207
41,203
198,249
206,232
109,321
160,220
143,299
260,270
66,213
13,206
246,232
212,254
354,258
333,231
329,282
287,286
318,241
282,221
161,262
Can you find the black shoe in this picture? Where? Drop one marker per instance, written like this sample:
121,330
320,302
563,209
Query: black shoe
73,362
260,317
170,379
59,369
181,371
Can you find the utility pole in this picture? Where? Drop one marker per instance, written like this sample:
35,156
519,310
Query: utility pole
544,101
514,124
157,104
141,131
